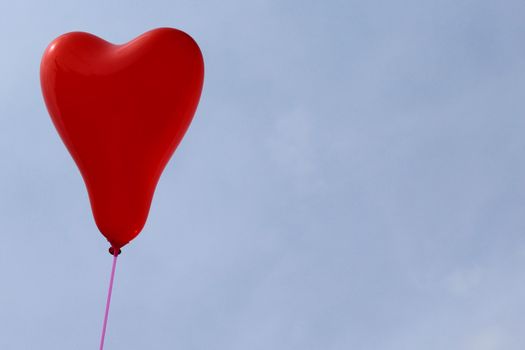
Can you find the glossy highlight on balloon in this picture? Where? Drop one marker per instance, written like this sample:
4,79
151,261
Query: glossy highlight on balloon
121,111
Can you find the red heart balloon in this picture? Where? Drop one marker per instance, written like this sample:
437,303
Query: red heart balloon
121,111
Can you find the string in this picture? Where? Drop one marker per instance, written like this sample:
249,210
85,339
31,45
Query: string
115,255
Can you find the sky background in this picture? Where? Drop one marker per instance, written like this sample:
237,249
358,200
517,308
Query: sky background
354,178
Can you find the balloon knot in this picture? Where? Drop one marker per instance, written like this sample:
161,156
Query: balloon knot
112,251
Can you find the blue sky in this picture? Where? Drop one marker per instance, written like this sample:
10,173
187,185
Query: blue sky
353,179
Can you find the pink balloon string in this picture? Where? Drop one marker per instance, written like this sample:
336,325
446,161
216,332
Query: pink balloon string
110,290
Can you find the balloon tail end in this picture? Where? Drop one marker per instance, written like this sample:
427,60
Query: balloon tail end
114,251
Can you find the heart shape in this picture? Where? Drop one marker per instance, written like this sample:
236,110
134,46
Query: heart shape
121,111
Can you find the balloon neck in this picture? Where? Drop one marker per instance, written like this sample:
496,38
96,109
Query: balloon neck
115,251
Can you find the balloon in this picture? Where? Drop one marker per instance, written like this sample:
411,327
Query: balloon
121,111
